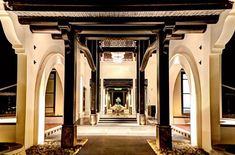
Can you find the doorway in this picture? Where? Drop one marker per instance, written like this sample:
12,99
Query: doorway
118,100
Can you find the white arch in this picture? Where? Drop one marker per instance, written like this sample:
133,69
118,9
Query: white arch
177,62
53,60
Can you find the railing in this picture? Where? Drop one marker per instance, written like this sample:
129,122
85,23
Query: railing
8,100
229,87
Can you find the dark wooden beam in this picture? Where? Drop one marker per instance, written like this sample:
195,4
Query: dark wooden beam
38,20
127,37
128,83
177,37
107,5
44,29
56,36
148,53
181,29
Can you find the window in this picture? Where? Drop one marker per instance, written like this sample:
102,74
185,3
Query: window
8,101
185,94
50,94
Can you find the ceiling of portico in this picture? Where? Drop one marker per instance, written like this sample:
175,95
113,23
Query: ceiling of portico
128,20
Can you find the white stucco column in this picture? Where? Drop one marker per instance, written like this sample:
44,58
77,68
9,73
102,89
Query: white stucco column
87,73
102,97
21,99
215,96
215,74
133,98
78,84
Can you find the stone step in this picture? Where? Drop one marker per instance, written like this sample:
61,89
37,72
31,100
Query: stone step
117,120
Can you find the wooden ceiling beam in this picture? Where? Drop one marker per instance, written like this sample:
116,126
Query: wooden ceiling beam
44,29
181,29
39,20
120,5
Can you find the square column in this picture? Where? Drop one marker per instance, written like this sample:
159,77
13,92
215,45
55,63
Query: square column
94,82
163,136
69,128
143,45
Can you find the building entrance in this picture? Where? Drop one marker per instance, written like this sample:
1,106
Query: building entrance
118,97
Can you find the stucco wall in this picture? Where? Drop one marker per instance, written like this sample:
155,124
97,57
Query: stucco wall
151,75
177,104
86,81
37,47
110,70
7,133
227,135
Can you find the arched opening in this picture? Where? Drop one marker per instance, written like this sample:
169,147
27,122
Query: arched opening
8,80
53,103
8,88
228,82
52,65
182,68
182,105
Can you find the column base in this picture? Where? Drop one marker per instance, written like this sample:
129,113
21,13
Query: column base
163,137
142,119
69,136
130,110
93,119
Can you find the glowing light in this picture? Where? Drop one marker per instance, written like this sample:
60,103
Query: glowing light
117,57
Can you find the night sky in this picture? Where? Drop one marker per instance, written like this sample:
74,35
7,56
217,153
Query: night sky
228,78
228,63
8,61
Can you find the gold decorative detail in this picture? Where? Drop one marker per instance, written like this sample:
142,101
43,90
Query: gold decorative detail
117,43
117,109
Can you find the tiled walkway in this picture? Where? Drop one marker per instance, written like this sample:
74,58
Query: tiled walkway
117,145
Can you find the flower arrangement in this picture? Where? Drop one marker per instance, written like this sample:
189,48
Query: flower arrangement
118,108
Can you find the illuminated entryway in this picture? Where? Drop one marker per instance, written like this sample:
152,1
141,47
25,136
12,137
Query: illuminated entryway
118,97
118,88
